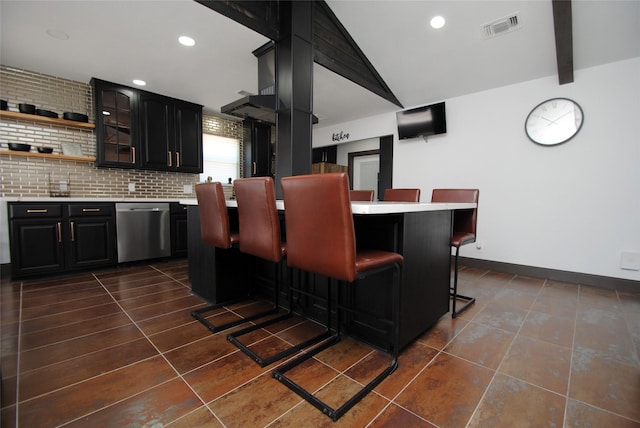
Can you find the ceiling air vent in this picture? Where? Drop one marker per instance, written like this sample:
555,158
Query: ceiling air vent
501,26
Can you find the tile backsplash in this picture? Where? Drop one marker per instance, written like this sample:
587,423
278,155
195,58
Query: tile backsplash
30,176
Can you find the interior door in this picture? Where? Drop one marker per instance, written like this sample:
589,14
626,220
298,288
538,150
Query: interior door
365,173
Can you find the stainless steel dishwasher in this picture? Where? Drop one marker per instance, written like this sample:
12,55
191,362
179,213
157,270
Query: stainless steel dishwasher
143,230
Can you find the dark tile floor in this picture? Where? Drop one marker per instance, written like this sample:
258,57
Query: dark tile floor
120,348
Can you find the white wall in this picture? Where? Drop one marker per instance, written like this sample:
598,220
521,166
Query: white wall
572,207
355,146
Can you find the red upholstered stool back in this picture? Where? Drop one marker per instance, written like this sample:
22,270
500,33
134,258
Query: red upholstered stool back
259,223
361,195
214,218
402,195
319,225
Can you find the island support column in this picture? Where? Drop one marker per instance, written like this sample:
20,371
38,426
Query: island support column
294,87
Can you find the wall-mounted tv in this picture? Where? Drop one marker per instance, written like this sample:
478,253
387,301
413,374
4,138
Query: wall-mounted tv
422,121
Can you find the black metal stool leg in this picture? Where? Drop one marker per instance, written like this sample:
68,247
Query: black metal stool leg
335,414
265,361
454,292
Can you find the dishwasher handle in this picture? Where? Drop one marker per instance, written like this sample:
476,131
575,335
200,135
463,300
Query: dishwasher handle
142,209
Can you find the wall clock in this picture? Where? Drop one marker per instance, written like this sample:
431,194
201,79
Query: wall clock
554,121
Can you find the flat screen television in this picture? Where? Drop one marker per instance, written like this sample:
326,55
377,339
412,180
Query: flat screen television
422,121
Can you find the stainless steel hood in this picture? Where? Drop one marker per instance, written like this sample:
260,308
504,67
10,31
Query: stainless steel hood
259,107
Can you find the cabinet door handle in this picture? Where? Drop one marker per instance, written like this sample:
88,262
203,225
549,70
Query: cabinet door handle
177,159
38,211
73,232
254,168
133,154
91,210
59,231
169,158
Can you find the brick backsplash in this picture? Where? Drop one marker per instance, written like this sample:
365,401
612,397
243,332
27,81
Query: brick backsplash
30,176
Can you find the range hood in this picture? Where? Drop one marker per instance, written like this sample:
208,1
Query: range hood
260,107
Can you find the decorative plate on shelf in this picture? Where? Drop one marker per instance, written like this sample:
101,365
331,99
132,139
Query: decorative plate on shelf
71,149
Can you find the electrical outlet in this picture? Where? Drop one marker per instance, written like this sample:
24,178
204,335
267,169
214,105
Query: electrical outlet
187,188
629,260
132,187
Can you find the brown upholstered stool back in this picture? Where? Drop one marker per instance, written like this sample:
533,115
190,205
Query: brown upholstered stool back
319,225
361,195
402,195
321,239
464,232
214,218
259,223
464,221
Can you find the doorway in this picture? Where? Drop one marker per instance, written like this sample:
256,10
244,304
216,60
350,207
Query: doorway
364,169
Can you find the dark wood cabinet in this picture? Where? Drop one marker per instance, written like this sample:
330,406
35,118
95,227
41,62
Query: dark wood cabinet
52,238
115,107
37,245
179,230
170,134
140,129
188,136
327,154
258,152
91,241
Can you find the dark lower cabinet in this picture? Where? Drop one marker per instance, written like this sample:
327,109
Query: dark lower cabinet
92,236
53,238
36,246
179,241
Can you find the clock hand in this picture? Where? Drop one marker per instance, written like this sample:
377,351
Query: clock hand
556,119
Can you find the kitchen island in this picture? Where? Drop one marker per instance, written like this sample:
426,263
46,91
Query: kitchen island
421,232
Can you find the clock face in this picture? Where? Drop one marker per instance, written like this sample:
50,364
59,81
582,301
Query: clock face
554,121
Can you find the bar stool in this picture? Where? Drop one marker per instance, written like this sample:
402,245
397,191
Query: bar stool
260,236
215,230
464,232
361,195
402,195
321,240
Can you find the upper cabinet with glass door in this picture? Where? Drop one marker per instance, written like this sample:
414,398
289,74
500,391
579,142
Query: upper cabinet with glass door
116,109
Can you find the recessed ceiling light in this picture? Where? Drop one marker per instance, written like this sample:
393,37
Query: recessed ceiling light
139,82
437,22
57,34
186,40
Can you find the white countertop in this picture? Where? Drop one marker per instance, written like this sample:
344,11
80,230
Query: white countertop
379,207
85,199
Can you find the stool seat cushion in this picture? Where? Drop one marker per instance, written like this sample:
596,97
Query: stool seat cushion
462,238
371,259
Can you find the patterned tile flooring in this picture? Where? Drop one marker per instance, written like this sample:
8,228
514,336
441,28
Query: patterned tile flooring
119,348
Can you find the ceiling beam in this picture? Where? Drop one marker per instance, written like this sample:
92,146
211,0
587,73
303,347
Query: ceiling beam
334,48
260,16
562,25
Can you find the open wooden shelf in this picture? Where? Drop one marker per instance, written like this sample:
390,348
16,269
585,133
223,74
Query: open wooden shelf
47,155
44,119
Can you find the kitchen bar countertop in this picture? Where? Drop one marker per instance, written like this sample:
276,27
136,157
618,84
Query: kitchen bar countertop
380,207
83,199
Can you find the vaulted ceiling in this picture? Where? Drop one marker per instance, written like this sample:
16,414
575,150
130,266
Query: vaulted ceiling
123,40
